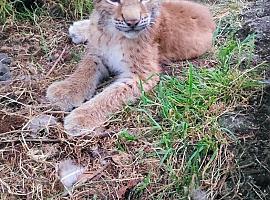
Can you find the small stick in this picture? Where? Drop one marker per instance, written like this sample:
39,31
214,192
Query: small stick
31,140
56,62
88,175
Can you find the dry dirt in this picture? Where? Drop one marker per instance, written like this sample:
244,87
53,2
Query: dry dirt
256,20
251,179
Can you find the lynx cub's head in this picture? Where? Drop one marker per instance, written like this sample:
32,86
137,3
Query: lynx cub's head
129,17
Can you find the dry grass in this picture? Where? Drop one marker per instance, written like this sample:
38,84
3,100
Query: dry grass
28,168
136,160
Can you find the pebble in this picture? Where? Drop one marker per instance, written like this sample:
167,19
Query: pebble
5,61
41,122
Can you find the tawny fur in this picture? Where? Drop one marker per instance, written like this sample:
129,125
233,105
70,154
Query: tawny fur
175,31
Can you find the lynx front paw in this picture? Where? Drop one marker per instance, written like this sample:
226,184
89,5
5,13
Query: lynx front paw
64,95
78,31
82,122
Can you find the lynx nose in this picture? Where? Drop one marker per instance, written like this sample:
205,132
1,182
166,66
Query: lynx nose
132,22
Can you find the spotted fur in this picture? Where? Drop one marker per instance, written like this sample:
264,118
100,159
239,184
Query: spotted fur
129,39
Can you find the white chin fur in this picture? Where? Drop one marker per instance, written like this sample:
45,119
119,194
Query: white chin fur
131,35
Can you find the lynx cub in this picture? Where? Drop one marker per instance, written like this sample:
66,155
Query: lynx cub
128,38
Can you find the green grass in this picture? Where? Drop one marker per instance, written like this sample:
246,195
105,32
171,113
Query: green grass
6,10
182,115
185,123
76,9
16,10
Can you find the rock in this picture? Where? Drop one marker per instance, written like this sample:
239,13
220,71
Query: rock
4,59
237,123
256,19
4,72
41,122
199,194
4,67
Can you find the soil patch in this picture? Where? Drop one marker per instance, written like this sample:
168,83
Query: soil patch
251,124
256,19
251,178
10,122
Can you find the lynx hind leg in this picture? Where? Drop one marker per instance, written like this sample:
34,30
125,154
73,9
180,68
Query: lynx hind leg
78,32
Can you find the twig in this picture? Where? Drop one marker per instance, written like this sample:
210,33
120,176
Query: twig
56,62
254,187
256,158
31,140
89,176
14,101
115,180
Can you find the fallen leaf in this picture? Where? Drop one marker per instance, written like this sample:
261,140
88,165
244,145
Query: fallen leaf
69,173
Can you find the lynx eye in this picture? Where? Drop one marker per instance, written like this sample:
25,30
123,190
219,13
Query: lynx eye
114,2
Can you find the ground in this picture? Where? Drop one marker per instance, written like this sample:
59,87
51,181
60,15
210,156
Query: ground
204,130
252,123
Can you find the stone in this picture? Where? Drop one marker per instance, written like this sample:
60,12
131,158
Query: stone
5,61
